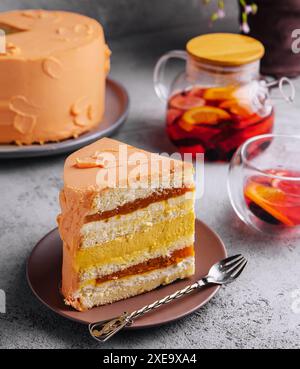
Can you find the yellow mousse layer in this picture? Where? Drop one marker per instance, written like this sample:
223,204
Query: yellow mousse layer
125,249
100,232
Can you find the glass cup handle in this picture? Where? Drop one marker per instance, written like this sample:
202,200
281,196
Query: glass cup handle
280,83
160,85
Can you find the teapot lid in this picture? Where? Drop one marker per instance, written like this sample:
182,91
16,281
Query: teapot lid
227,49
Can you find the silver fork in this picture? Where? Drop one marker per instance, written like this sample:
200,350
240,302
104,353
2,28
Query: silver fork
223,272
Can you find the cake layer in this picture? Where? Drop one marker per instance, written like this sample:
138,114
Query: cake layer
103,270
126,287
140,203
145,267
127,248
96,232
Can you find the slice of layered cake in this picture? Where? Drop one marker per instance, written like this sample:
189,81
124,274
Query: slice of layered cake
127,223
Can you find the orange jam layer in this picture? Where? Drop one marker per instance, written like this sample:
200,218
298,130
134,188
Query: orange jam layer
151,264
138,204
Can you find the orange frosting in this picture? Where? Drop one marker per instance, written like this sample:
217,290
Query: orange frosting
81,185
113,157
52,75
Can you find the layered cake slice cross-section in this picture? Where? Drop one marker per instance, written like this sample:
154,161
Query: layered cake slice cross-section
127,223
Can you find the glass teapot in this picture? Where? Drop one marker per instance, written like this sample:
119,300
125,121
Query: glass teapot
220,100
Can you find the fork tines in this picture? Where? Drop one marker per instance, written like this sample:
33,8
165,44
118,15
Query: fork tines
234,265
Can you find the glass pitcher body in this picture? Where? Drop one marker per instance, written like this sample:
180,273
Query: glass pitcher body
212,108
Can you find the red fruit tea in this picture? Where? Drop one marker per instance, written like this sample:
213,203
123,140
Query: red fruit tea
275,200
213,121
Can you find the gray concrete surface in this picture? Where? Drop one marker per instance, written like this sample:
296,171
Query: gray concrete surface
255,312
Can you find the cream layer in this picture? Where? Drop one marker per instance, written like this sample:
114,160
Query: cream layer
106,230
126,287
125,249
110,268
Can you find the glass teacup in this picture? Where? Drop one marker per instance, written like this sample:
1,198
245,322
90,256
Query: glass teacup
264,183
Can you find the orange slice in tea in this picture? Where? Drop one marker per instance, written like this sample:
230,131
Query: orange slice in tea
268,198
237,108
185,102
219,93
203,115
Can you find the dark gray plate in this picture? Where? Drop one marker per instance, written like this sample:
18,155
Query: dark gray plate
116,111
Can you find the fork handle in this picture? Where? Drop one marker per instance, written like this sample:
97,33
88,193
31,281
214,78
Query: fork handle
158,303
103,331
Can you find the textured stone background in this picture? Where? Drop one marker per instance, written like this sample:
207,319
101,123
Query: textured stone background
254,312
121,17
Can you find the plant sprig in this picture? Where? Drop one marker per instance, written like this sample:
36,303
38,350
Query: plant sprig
247,9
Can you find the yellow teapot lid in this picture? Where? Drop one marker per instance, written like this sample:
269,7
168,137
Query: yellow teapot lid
225,49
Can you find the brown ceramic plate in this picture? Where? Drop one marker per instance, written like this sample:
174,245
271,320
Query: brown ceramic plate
116,111
44,277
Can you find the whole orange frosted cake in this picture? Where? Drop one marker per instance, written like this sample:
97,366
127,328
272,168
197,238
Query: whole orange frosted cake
52,75
127,223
